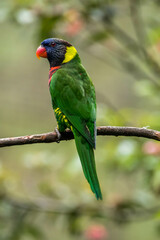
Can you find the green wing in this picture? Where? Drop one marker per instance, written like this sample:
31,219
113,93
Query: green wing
76,99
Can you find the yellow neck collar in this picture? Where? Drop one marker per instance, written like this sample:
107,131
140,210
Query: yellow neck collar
70,54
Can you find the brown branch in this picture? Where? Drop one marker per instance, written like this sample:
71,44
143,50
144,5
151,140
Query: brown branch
67,135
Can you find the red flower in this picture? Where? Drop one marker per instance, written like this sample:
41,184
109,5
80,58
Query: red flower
96,232
151,148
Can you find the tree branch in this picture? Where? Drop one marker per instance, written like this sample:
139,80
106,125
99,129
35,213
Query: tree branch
124,212
68,135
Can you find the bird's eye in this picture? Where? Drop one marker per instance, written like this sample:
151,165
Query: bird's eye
53,44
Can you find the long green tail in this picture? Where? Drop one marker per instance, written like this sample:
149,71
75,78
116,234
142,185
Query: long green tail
86,155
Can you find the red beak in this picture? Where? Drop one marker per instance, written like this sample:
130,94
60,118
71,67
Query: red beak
41,52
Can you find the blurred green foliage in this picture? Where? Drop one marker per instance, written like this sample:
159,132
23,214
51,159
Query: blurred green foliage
43,193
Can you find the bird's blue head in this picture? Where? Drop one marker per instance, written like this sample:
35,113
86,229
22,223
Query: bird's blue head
57,51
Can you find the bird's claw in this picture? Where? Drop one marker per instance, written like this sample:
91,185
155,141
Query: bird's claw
58,135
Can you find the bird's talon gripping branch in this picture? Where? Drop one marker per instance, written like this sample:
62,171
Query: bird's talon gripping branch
58,135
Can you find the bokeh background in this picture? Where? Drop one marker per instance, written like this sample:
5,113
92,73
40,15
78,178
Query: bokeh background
43,193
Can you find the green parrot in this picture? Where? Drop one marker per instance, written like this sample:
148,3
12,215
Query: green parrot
74,101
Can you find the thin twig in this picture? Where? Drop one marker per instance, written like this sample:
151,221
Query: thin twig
113,213
68,135
137,50
139,26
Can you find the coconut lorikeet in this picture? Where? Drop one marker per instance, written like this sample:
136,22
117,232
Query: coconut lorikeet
73,101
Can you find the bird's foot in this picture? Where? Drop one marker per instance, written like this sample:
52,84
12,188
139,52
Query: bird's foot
58,135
